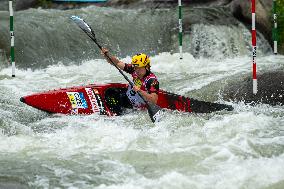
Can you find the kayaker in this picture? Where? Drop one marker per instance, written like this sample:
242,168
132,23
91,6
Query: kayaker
144,80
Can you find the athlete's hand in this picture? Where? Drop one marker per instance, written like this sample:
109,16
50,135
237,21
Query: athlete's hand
136,88
104,51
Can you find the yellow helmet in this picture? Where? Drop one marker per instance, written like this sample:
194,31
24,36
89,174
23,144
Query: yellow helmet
140,60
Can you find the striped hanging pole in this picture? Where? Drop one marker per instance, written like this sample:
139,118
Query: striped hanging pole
180,28
274,31
253,32
12,36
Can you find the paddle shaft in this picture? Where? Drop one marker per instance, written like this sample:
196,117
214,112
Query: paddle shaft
153,110
120,71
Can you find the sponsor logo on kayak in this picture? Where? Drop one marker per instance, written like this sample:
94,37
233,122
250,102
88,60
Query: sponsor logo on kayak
74,111
99,101
77,100
93,100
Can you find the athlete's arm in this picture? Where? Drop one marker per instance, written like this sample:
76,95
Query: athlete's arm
153,97
114,59
151,94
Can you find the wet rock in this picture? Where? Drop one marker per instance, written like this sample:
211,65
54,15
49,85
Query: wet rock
25,4
164,3
270,89
242,11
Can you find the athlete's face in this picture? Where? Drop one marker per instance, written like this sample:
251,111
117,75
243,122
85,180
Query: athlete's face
140,71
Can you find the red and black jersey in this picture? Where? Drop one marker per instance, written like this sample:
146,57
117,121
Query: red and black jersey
148,83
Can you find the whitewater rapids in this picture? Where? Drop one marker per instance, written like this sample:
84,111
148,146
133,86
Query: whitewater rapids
239,149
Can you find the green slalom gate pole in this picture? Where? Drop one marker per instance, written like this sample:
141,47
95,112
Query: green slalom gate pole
180,28
274,30
12,37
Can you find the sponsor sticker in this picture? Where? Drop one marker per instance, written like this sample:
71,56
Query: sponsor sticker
137,82
77,100
74,111
158,116
92,98
100,102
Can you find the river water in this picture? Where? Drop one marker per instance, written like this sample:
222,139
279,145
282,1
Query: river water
239,149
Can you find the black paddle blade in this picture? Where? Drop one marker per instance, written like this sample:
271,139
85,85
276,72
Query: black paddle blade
155,112
84,26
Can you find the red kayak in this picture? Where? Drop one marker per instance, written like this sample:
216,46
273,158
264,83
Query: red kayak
110,99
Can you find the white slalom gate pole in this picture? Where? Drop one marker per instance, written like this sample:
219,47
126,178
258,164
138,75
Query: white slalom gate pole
180,28
253,32
12,36
274,34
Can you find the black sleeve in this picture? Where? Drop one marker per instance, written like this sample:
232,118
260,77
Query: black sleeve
152,86
128,68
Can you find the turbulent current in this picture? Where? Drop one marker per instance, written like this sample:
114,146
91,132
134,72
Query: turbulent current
239,149
45,37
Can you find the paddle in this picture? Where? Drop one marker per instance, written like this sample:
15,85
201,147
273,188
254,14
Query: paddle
153,110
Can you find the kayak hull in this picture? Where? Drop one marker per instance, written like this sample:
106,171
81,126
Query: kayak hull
109,99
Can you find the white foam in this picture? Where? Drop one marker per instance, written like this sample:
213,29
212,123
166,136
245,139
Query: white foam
225,150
